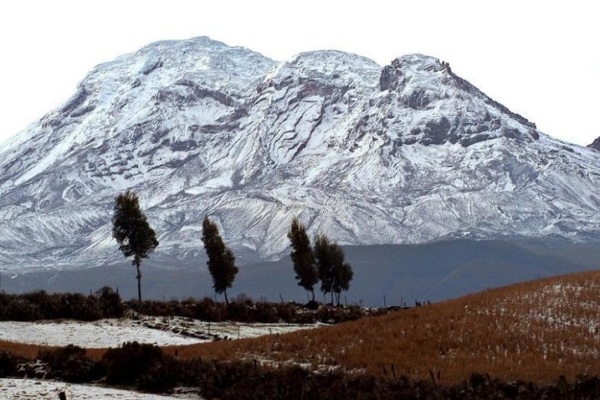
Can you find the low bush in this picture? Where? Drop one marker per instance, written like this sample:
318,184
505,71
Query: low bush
142,365
8,364
40,305
244,309
71,364
110,303
106,303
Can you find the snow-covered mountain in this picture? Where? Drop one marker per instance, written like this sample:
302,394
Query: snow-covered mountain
406,153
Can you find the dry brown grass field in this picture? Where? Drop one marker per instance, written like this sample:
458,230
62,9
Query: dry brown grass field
23,350
533,331
31,351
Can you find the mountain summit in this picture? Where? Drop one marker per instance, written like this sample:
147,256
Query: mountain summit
407,153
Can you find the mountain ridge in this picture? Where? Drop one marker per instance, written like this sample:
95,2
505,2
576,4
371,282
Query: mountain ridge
407,153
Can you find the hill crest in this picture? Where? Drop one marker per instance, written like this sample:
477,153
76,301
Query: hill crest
533,331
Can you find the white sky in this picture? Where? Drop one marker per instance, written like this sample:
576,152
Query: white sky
541,59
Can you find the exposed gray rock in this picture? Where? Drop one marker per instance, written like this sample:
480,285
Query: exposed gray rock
595,144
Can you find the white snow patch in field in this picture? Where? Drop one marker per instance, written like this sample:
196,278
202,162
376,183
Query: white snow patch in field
98,334
161,331
21,389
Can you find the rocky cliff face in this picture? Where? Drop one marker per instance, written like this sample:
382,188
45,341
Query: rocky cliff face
406,153
595,144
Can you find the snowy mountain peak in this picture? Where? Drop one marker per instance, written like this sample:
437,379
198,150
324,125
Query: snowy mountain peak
406,68
327,67
406,153
199,54
440,107
331,62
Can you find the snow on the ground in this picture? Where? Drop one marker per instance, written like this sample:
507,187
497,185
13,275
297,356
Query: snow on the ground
222,330
27,389
160,331
98,334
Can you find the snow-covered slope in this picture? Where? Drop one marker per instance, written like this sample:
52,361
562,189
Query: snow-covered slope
159,331
406,153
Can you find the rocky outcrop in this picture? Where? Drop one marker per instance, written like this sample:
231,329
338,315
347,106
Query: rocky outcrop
595,144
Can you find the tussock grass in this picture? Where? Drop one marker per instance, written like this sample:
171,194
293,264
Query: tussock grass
533,331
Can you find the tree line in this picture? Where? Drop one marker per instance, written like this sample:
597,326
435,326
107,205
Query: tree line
324,262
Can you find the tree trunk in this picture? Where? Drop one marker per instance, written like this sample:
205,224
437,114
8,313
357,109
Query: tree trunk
137,262
226,299
313,294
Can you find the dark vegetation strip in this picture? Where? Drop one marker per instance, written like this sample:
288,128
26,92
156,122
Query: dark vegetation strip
147,368
40,305
106,303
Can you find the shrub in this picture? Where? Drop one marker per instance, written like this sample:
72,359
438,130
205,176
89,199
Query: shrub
142,365
266,313
111,305
41,305
240,310
160,377
71,364
8,364
15,308
211,310
48,305
80,307
287,312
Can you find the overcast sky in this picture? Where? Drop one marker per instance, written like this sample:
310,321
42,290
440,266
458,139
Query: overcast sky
541,59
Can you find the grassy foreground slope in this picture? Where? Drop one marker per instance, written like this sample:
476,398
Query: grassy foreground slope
532,331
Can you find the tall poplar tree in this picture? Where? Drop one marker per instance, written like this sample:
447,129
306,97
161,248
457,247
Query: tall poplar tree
132,232
343,277
335,274
324,259
302,257
221,261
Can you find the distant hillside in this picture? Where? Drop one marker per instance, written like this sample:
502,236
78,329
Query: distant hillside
402,273
534,331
